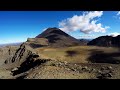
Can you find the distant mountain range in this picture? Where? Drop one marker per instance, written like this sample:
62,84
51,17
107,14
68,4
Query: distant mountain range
85,41
11,44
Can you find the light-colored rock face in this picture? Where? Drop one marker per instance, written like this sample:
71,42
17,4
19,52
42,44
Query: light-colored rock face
21,54
6,53
14,56
40,41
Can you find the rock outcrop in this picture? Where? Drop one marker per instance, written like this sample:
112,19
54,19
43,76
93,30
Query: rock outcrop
6,53
37,42
21,54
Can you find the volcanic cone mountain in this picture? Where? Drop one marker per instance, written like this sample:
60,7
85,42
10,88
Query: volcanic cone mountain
58,38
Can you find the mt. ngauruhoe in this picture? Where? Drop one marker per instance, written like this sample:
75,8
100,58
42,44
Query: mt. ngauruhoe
54,37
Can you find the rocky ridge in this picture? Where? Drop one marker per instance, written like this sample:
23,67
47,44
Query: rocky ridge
106,41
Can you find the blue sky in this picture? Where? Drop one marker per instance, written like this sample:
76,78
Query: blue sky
17,26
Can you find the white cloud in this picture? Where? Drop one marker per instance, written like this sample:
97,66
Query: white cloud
114,34
87,36
86,23
118,13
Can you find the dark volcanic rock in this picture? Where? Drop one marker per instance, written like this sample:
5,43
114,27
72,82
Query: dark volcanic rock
107,41
58,38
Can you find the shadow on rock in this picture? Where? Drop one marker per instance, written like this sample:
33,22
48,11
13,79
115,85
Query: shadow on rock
29,64
36,45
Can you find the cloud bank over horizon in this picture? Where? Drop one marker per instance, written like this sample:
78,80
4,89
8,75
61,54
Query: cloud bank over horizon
114,34
86,23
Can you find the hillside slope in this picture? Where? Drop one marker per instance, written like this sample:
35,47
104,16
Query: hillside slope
107,41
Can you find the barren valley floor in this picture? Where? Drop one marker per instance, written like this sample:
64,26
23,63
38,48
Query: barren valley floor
77,62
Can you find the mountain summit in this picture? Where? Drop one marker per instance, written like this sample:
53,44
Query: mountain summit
58,38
